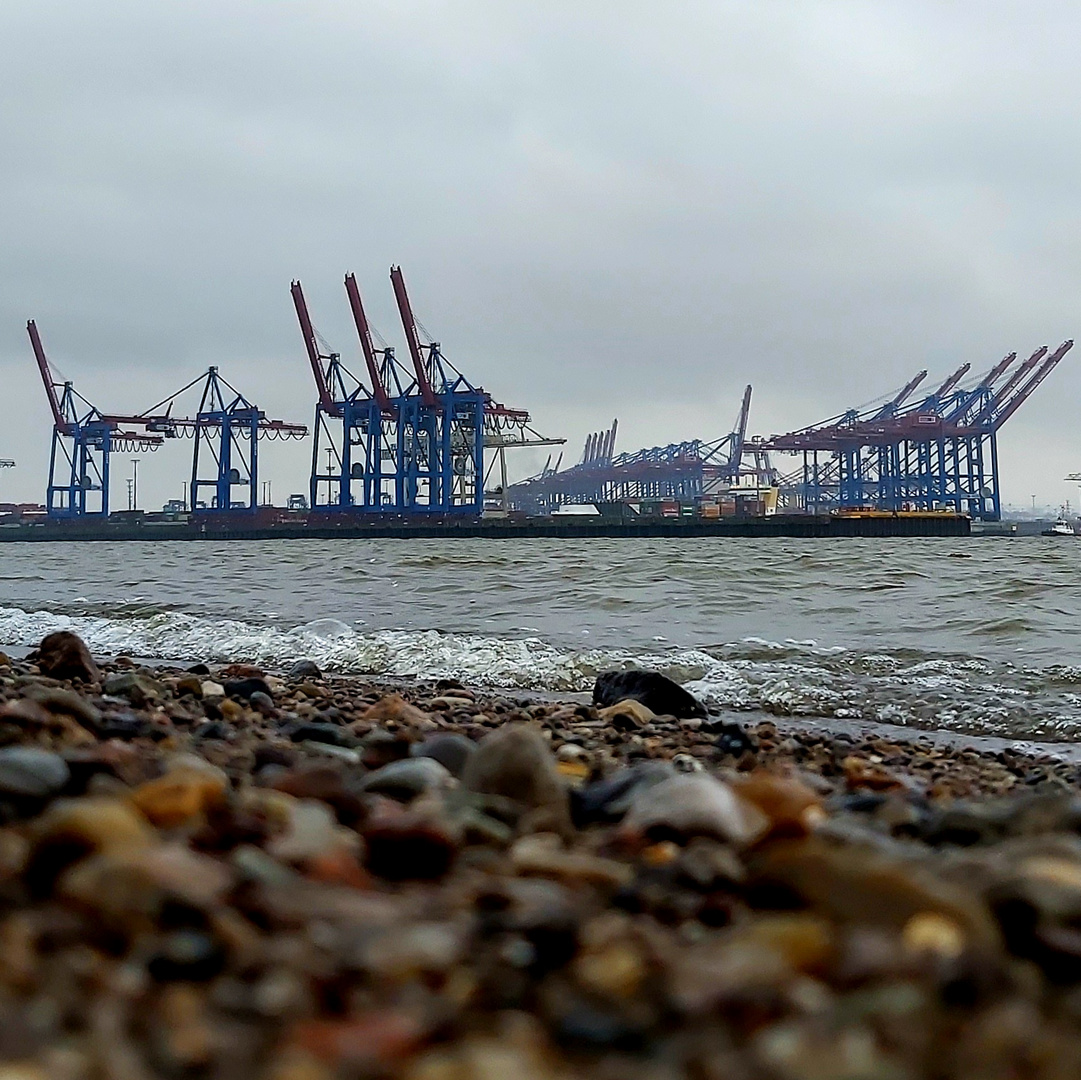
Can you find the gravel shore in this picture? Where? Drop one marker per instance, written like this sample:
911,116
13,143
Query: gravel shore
227,872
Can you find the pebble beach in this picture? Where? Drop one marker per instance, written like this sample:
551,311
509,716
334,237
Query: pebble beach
224,871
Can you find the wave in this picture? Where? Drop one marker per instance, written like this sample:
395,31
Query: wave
795,677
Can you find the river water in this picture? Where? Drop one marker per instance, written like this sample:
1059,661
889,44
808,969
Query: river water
973,635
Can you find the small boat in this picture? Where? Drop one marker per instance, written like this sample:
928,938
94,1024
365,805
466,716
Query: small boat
1061,528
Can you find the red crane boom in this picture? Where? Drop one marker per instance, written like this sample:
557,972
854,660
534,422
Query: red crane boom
311,344
952,381
47,378
365,333
1042,372
409,324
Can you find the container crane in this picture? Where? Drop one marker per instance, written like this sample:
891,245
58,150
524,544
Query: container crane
686,470
355,427
939,453
226,428
83,441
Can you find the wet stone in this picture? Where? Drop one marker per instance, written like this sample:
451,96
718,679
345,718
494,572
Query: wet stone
323,733
655,691
695,804
244,688
516,763
64,655
135,686
406,779
304,669
28,773
262,703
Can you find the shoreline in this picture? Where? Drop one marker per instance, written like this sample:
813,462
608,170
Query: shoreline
232,872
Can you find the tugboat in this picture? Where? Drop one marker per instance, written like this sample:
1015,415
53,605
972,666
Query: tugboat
1062,527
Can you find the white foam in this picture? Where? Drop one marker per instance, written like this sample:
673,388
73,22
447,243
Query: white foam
525,662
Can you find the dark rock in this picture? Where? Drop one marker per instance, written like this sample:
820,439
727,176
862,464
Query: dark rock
64,655
331,734
405,846
244,688
214,729
304,669
451,750
443,685
188,956
406,779
269,754
29,773
731,738
125,726
199,669
654,690
609,799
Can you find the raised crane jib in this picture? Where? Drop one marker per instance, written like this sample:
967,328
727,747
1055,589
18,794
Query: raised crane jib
951,382
1038,377
311,345
409,325
365,333
59,420
1008,386
906,392
736,457
998,370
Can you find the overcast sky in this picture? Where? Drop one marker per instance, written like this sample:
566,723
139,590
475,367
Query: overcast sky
602,209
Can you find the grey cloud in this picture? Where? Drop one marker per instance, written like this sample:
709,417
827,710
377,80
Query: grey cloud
601,209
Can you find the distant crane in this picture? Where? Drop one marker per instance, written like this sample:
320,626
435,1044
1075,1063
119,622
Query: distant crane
356,427
226,428
686,470
82,445
940,452
411,439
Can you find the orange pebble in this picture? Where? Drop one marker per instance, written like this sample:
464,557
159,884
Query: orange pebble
178,797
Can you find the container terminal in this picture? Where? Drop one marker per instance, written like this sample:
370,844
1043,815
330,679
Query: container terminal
411,447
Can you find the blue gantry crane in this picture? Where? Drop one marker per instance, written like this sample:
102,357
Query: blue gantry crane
356,427
83,442
683,471
225,427
410,440
937,453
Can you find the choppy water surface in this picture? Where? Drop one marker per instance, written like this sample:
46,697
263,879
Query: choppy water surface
974,635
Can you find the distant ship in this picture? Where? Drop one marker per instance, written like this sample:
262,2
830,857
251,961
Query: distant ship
1061,528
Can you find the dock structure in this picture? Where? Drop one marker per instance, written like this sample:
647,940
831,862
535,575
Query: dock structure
415,440
939,452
